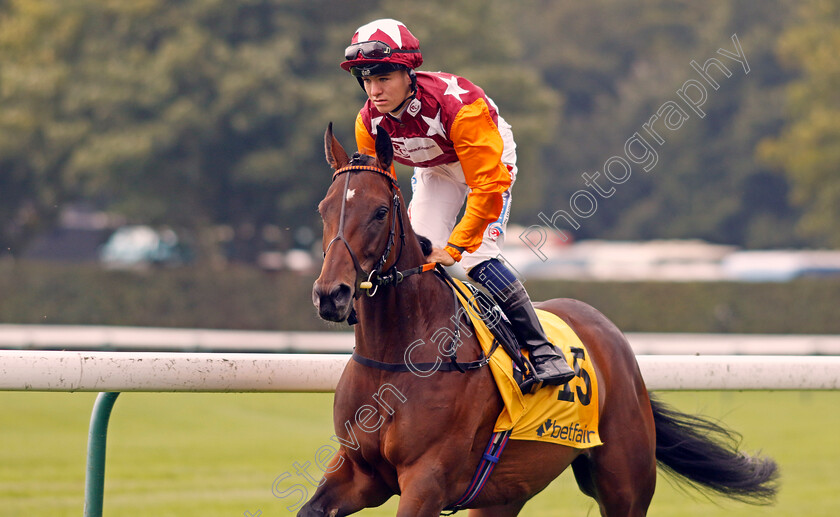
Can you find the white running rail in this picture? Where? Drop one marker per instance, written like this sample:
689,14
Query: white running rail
30,370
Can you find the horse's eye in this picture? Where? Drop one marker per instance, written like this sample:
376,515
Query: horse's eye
381,213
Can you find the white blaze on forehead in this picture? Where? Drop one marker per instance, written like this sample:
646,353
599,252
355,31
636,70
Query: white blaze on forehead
350,193
388,26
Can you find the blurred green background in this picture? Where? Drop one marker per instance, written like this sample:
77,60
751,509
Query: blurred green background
207,116
246,298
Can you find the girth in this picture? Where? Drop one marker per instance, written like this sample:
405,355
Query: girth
419,368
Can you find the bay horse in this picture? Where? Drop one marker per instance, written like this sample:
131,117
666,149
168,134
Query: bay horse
425,435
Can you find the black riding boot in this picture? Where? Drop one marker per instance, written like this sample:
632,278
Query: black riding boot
550,367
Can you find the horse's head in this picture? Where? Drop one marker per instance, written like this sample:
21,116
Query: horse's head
361,212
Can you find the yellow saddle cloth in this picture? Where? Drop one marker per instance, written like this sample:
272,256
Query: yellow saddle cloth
565,415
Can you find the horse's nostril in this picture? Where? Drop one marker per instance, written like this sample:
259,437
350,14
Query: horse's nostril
334,303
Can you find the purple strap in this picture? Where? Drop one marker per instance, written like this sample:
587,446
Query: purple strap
482,474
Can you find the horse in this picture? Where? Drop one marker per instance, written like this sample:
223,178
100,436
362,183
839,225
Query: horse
425,434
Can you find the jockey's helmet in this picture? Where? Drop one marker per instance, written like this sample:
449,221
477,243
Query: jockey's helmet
382,46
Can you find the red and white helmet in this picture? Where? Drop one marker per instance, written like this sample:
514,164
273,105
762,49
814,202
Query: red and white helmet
382,46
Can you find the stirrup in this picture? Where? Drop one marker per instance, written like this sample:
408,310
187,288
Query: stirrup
524,377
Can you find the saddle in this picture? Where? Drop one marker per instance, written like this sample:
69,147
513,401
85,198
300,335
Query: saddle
565,414
497,323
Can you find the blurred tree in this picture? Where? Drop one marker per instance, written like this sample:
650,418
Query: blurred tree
808,148
187,113
205,113
617,63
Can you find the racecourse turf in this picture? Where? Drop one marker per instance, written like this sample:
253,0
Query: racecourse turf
218,455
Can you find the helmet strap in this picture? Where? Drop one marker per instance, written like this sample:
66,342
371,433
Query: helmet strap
413,77
413,91
399,108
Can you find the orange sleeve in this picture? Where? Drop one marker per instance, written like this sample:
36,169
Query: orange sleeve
479,147
365,142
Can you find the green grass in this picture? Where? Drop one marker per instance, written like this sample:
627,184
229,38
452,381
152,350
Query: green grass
218,455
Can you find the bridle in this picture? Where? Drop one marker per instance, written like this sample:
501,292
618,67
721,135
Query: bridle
376,278
371,281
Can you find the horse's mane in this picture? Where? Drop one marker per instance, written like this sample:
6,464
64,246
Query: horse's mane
425,245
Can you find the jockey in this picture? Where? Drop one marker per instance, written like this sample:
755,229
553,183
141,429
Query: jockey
451,133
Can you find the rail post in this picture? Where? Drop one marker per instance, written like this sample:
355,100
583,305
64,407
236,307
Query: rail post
97,439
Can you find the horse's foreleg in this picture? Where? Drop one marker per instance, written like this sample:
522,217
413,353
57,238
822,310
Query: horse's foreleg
423,491
346,490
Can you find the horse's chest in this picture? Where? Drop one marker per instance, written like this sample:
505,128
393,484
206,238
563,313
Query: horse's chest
371,420
370,433
381,438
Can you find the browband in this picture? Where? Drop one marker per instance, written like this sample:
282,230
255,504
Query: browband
368,168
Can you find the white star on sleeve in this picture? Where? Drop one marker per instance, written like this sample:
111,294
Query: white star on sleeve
452,87
435,127
374,125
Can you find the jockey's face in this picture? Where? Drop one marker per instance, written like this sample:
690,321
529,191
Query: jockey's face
387,91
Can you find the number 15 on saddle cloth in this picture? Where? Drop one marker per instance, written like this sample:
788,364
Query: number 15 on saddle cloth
566,414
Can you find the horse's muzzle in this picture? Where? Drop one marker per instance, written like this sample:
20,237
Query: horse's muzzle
334,303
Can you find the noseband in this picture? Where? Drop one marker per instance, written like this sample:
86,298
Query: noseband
375,277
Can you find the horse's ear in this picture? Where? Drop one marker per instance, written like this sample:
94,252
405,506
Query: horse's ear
336,155
384,149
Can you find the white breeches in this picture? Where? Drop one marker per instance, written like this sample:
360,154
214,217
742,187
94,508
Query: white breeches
439,193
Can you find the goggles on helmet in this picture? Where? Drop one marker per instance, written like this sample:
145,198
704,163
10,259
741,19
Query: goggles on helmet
374,49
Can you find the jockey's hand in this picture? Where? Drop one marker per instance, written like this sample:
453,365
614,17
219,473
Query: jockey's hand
441,257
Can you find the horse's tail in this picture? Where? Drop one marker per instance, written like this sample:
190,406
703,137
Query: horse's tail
702,454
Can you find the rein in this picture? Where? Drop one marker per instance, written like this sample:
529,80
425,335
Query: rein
371,281
453,365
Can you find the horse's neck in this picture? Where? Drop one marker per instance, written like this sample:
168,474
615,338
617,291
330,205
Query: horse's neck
397,316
